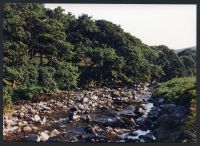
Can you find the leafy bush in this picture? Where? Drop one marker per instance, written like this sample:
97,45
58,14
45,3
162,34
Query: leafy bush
7,97
45,78
175,89
28,93
66,75
23,76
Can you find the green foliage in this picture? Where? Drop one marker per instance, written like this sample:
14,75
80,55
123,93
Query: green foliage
46,78
51,49
65,75
174,89
7,97
28,93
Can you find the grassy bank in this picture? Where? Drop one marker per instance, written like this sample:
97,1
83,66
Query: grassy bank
182,91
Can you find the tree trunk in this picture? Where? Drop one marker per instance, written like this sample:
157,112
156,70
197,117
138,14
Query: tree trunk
41,57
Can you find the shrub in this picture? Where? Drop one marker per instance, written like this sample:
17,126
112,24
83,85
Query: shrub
7,97
28,93
66,75
45,78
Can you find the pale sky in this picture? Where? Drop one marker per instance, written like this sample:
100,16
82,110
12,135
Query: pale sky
170,25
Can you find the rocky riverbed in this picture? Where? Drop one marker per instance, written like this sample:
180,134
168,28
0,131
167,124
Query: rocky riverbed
95,115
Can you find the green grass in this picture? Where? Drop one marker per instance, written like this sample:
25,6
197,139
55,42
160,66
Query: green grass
175,89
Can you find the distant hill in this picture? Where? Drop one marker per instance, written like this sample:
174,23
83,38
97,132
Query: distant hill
191,48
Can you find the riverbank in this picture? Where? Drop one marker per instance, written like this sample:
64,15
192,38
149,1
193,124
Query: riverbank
98,115
104,114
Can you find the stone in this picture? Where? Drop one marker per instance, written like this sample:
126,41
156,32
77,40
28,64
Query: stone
85,100
21,114
76,117
141,120
27,129
32,137
148,137
34,128
37,118
31,111
94,97
80,106
43,121
43,136
54,133
133,134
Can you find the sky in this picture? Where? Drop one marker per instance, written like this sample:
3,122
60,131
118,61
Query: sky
170,25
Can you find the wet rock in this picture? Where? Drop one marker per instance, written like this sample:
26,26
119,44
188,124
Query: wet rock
179,113
86,118
159,100
73,109
73,116
80,106
32,137
154,113
162,134
148,137
54,133
133,134
169,108
165,121
27,129
43,136
76,117
89,129
141,120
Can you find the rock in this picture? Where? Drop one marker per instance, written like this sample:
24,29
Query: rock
32,137
169,108
54,133
165,121
20,124
154,113
94,97
179,113
133,134
31,111
162,134
141,120
85,100
15,128
76,117
73,109
43,136
21,114
27,129
34,128
43,121
148,137
139,110
86,118
80,106
89,129
37,118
